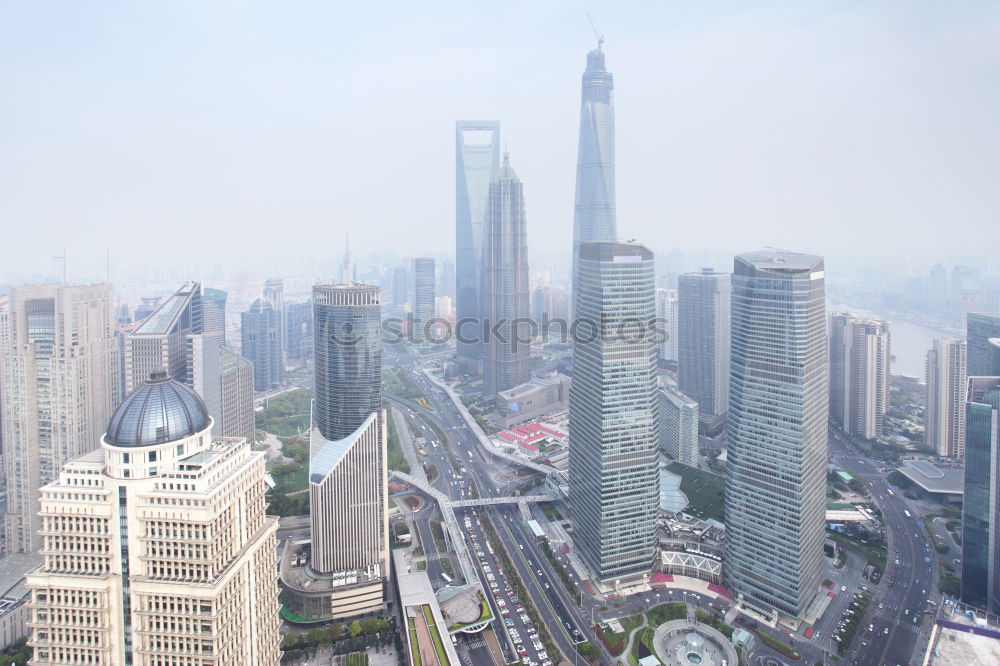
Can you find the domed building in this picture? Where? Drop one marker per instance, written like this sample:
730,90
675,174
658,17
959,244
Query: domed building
157,548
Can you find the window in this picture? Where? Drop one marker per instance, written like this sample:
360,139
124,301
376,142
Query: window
152,456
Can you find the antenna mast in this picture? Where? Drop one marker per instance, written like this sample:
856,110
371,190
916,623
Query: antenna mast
597,33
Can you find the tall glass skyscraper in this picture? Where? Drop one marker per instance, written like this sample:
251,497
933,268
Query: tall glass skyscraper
504,295
594,211
981,502
423,295
347,353
703,330
980,327
261,343
613,459
477,161
776,473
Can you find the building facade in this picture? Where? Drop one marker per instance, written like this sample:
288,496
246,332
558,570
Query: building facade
174,337
666,313
944,416
157,548
981,501
423,297
679,426
704,301
347,351
859,374
274,291
980,327
613,452
594,208
477,162
59,369
504,295
236,387
778,409
259,327
298,331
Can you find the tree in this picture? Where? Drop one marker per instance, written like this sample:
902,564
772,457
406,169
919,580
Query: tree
588,650
354,629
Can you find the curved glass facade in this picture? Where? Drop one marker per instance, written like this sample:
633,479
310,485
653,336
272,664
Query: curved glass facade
347,353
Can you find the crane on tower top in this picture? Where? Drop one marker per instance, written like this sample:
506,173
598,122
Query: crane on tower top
597,33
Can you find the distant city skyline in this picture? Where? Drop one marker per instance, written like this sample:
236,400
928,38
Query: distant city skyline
200,118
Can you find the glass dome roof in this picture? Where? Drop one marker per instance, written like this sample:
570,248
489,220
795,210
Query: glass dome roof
161,410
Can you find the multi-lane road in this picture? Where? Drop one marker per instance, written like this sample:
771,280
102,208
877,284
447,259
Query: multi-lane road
909,581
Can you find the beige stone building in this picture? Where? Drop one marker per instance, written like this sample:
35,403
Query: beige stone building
157,549
58,367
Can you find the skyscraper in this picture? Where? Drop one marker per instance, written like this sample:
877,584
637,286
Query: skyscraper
423,296
156,546
58,365
859,374
704,301
399,287
504,294
477,161
274,291
348,473
347,350
236,387
259,334
778,407
981,501
679,426
298,330
594,210
666,312
613,468
980,327
944,416
214,312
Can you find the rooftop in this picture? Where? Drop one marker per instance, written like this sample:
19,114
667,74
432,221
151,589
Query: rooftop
164,318
774,259
934,479
161,410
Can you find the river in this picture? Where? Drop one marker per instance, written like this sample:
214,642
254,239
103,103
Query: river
908,342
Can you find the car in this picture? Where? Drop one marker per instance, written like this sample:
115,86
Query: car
886,631
843,588
540,572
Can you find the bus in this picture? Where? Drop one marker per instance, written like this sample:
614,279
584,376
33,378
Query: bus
889,490
907,514
446,577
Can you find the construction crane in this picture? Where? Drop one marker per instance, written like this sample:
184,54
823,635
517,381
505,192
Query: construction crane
600,37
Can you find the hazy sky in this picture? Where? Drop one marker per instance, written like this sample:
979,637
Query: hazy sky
264,131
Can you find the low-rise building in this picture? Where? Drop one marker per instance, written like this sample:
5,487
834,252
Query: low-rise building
532,399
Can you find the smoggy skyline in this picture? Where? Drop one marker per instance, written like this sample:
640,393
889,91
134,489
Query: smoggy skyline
255,131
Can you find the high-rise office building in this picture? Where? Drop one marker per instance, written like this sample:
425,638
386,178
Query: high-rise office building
214,311
174,337
944,415
348,474
613,454
778,407
59,368
477,161
423,297
259,334
157,548
666,313
594,210
504,294
859,374
347,350
679,426
274,291
980,327
400,287
981,500
704,301
298,331
236,387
